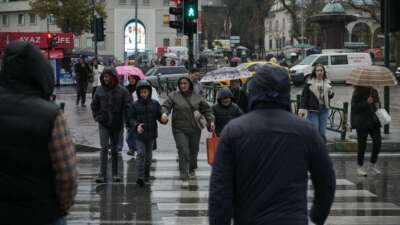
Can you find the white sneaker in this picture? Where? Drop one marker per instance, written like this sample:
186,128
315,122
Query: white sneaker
185,183
361,171
374,169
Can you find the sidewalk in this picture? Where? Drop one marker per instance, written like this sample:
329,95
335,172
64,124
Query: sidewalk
85,131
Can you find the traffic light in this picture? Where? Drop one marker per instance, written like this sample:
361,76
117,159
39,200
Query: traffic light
100,36
177,11
51,41
394,22
190,10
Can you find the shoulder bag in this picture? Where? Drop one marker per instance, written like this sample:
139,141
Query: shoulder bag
201,121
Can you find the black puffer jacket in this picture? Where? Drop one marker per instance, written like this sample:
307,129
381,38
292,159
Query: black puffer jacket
28,189
111,103
363,114
146,111
224,114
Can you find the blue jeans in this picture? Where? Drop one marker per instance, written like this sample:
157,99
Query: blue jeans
144,156
131,138
319,119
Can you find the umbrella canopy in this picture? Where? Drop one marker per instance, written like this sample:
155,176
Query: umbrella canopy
371,76
225,73
236,60
171,55
126,71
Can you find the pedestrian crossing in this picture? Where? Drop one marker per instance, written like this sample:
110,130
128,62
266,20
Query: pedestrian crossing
167,202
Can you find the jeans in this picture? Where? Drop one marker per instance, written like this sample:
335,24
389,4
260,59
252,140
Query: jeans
319,119
109,138
187,144
144,156
131,138
362,134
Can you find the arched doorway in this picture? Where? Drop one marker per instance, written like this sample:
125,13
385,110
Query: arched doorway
378,38
361,33
132,30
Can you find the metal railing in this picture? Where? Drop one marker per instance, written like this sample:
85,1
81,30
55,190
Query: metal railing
337,120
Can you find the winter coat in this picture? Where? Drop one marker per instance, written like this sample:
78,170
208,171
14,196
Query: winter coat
110,104
146,111
82,73
363,114
223,114
28,189
182,113
309,100
197,88
260,173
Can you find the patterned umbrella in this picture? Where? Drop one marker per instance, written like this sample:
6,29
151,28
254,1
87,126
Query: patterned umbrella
130,70
371,76
225,73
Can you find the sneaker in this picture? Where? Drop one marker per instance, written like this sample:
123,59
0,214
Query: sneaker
361,171
100,180
185,183
140,182
116,179
374,169
131,152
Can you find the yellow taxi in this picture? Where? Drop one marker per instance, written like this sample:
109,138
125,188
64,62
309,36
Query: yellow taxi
251,67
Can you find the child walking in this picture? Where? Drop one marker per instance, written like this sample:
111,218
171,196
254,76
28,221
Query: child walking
143,117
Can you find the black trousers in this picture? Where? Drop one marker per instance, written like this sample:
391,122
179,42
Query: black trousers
81,89
362,134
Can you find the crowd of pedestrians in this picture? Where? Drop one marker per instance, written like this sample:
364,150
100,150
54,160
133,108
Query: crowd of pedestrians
264,156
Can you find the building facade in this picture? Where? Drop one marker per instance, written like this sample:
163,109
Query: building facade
152,19
278,25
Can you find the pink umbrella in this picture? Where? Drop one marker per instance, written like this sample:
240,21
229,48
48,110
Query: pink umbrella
236,60
127,71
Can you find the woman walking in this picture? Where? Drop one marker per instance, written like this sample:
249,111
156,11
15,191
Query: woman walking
183,103
97,70
364,103
315,99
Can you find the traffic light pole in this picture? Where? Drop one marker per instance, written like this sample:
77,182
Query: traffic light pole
386,91
190,48
95,27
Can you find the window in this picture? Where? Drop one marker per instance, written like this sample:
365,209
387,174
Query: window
32,18
4,20
146,2
89,42
77,42
165,2
21,19
166,42
178,42
339,60
270,26
123,2
322,60
270,42
102,45
165,20
283,24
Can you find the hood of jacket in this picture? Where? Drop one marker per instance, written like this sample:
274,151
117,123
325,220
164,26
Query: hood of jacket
269,88
190,84
25,70
114,77
224,92
143,84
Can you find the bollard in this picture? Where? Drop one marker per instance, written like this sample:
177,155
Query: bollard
344,122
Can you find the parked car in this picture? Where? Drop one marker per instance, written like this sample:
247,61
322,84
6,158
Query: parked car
397,74
338,65
161,73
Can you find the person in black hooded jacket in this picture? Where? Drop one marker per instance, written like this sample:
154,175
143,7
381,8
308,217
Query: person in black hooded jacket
142,119
224,110
260,172
38,165
110,107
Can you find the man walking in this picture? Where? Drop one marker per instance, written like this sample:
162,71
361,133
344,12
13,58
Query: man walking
195,77
83,71
38,168
261,169
110,106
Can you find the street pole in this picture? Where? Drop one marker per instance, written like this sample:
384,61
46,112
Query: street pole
136,30
387,59
95,27
48,30
190,43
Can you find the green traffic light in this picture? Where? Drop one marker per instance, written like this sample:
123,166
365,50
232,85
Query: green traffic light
191,13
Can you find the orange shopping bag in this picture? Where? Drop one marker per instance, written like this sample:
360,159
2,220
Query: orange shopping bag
212,144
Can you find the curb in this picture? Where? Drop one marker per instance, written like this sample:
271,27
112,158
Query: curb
352,146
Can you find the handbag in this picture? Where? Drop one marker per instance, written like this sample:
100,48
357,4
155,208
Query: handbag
383,116
212,144
200,119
